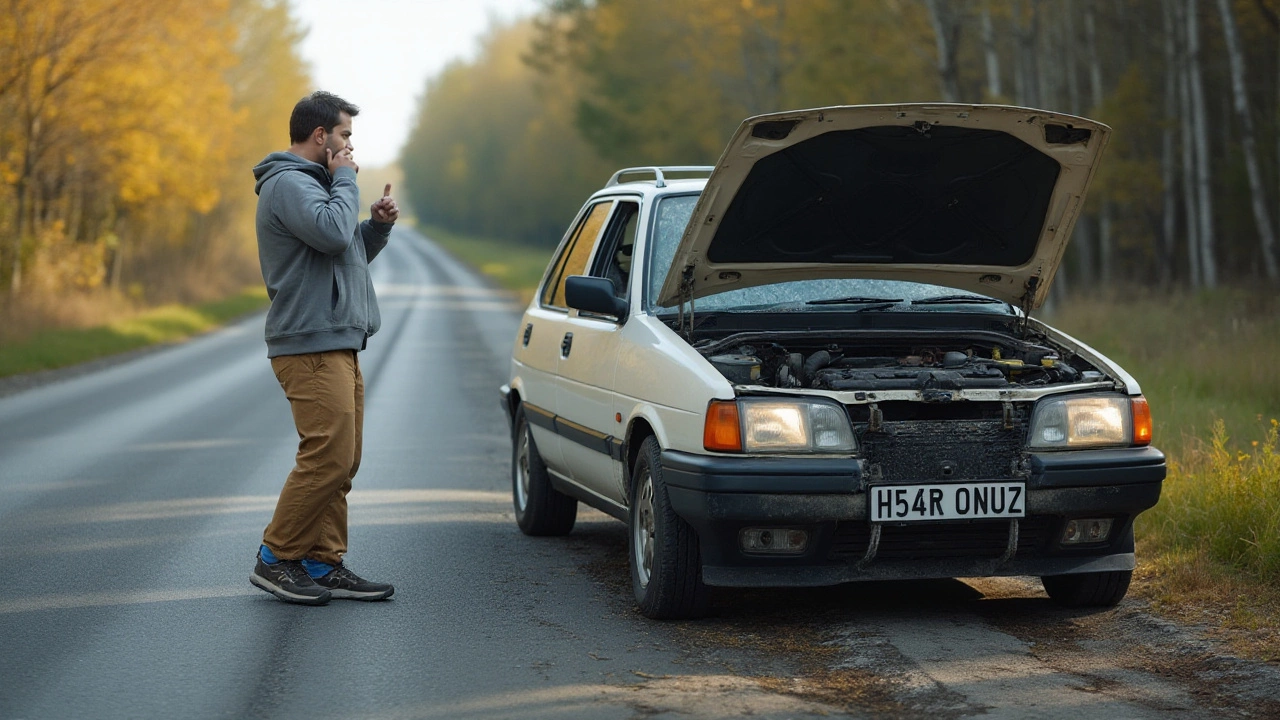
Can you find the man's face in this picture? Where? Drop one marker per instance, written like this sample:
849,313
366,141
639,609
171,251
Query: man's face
339,138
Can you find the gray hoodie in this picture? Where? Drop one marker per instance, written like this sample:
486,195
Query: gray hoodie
315,259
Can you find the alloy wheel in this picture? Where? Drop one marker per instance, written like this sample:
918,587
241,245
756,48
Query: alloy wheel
644,531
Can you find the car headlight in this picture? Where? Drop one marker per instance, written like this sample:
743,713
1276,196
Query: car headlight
767,425
1091,421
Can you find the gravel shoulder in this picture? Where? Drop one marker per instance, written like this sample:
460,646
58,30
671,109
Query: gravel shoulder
995,647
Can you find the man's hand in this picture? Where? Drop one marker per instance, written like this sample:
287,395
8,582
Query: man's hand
342,159
385,210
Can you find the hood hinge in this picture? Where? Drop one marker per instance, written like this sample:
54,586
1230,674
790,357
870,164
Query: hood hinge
1028,300
686,295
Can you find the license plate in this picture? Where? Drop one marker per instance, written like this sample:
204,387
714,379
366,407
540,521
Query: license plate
953,501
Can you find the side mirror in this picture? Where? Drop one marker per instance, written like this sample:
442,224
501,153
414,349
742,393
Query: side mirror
594,295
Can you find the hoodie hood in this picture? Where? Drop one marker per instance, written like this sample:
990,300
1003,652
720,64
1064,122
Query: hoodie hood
278,162
975,197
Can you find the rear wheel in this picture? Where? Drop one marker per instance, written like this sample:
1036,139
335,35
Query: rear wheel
540,508
666,564
1096,589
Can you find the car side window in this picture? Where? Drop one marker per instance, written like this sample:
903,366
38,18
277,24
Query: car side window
573,257
616,245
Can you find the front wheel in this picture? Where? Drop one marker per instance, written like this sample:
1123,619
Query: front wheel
540,508
1096,589
666,564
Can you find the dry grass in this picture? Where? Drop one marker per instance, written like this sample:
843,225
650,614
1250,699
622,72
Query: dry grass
1191,587
22,317
82,336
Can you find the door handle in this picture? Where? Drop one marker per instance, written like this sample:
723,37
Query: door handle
566,345
528,333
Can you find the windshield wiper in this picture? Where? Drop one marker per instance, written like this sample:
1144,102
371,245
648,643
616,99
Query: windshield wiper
855,300
958,300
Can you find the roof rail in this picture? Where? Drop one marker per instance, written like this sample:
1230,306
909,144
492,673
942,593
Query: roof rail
657,172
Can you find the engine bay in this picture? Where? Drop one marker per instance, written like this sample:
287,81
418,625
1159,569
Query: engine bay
872,365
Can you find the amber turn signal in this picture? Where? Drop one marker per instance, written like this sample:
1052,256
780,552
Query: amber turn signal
1141,421
722,431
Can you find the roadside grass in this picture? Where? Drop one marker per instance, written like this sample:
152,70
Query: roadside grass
59,347
1210,549
514,266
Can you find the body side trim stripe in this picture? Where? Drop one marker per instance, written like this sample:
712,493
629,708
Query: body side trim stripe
580,434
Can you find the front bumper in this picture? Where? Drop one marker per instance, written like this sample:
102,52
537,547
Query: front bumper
720,496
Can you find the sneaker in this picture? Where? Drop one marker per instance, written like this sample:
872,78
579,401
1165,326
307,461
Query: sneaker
346,585
289,581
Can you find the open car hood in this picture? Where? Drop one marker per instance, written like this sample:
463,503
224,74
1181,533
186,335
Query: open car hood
975,197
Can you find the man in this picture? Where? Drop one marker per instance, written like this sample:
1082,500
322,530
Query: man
315,261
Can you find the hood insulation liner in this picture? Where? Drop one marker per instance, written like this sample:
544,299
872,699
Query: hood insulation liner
891,194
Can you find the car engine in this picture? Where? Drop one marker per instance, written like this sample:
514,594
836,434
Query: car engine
878,365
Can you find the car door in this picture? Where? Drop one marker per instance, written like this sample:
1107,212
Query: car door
590,432
543,330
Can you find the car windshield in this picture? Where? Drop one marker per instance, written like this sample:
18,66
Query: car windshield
840,295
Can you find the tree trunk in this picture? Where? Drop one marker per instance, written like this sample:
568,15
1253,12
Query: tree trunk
1190,200
1105,252
1235,53
992,57
1049,56
1025,54
1168,163
1095,62
945,17
1208,263
1073,76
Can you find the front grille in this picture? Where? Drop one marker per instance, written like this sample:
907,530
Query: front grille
943,450
918,541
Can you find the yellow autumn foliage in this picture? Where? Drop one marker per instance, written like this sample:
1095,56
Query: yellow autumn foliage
127,128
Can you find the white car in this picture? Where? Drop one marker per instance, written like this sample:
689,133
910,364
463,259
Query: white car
814,364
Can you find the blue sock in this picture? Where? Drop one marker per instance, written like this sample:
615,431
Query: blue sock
267,556
315,568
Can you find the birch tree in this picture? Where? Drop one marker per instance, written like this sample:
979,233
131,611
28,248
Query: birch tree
946,17
1191,200
1105,251
1168,163
1261,216
990,54
1200,135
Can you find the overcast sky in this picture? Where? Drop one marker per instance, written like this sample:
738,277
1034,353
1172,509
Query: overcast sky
379,53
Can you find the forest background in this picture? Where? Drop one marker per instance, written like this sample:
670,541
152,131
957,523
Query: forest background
1188,194
127,128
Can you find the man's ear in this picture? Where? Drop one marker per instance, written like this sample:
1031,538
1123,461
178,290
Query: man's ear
318,134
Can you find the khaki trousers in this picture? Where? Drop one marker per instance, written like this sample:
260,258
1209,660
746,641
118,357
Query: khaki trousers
326,392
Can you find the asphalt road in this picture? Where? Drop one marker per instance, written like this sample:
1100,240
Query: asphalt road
133,497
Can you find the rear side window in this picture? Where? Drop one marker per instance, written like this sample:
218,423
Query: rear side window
573,257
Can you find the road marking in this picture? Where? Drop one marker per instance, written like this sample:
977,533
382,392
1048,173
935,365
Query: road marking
107,599
191,444
210,506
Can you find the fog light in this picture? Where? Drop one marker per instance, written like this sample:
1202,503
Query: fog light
1084,531
774,540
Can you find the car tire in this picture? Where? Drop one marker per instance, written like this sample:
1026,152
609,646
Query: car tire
1096,589
665,560
541,510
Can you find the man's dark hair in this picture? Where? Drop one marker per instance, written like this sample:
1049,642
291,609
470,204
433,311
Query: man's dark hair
319,109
